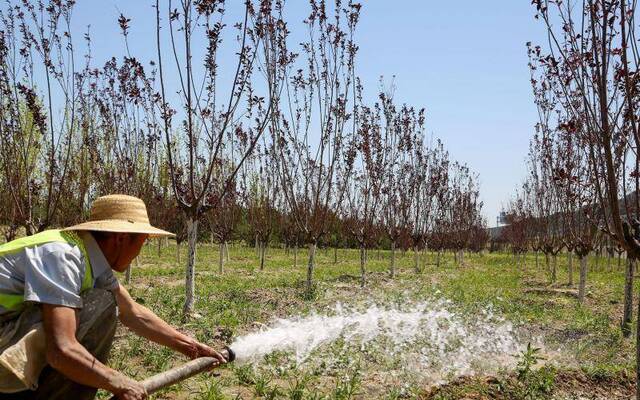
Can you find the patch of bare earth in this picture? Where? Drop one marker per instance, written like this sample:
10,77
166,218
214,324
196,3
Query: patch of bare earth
569,385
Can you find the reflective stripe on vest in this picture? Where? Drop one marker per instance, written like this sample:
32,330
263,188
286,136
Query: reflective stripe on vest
13,302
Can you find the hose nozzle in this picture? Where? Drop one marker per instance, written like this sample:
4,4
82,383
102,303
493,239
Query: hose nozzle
229,354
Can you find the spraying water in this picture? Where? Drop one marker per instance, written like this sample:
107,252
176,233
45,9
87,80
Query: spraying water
428,337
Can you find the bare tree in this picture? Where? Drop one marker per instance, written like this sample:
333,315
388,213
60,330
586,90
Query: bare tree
223,221
543,160
315,119
38,82
364,183
290,231
261,192
396,190
463,208
428,168
593,62
202,164
576,199
123,129
8,220
515,232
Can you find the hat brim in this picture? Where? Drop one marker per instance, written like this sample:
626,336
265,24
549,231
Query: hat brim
120,226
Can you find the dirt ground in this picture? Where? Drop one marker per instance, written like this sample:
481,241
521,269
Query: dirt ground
569,385
584,355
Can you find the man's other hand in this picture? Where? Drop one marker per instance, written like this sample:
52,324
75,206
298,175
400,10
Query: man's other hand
128,389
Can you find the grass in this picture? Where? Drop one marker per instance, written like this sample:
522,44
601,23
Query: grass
581,337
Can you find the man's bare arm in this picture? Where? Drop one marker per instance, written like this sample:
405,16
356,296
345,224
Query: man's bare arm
145,323
68,356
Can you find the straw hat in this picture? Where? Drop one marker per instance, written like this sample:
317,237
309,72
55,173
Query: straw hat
119,213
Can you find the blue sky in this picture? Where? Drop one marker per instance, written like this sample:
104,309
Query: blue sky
464,61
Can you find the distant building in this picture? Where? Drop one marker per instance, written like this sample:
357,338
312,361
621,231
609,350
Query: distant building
501,219
495,232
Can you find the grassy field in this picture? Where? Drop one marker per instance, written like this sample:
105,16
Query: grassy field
582,351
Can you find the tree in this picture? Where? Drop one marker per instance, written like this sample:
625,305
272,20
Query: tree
262,196
592,64
579,209
224,219
516,232
463,208
478,237
428,169
543,159
365,175
36,42
315,121
201,162
396,190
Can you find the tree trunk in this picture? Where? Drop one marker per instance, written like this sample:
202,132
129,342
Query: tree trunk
310,266
547,261
257,245
192,235
570,267
609,262
619,262
438,259
392,264
262,251
127,276
159,247
537,266
295,256
226,250
335,255
583,279
461,257
416,258
178,252
628,298
363,271
221,258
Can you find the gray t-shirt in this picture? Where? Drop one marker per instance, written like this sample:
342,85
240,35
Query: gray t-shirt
52,273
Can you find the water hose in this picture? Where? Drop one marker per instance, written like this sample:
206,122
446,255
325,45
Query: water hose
184,371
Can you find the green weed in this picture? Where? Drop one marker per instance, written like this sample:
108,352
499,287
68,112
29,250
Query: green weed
212,390
245,375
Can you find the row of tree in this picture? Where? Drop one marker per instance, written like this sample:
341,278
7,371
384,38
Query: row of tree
255,134
583,182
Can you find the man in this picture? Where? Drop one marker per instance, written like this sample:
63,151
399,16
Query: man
58,300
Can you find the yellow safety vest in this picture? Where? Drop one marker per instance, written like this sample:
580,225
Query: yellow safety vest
14,302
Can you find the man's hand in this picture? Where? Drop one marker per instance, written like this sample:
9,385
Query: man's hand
128,389
146,324
202,350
